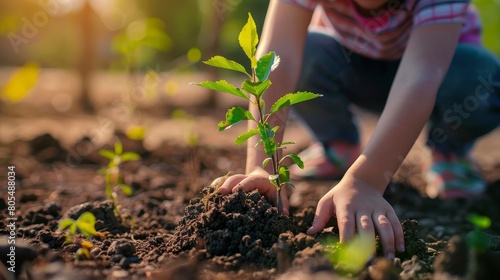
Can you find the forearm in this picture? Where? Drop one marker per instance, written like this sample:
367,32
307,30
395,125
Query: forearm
399,126
411,100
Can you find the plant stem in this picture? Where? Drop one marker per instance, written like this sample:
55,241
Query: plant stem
279,203
275,163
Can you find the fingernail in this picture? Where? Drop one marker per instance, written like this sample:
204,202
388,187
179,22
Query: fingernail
236,188
401,248
310,230
390,256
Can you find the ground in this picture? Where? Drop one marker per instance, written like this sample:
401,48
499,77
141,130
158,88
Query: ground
178,227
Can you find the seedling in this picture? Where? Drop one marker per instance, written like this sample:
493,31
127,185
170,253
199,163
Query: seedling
351,257
85,224
112,173
253,89
477,241
477,238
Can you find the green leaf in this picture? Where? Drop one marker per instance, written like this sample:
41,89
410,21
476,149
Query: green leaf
284,174
481,222
233,116
66,223
86,217
273,178
224,63
266,162
352,256
126,189
265,65
291,99
87,229
223,86
72,229
248,39
256,89
86,224
267,136
262,103
107,154
258,143
129,156
286,143
245,136
118,148
249,115
296,159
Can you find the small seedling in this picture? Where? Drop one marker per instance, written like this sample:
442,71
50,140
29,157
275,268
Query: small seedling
253,89
477,241
477,238
112,173
351,257
85,224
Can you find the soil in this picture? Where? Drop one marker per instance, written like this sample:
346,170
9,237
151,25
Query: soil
175,225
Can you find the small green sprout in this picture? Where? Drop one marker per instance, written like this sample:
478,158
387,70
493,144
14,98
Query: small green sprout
478,242
85,224
351,257
112,174
252,90
477,238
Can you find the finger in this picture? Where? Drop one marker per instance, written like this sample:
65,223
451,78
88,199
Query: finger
364,224
384,229
346,223
324,212
398,231
251,183
229,184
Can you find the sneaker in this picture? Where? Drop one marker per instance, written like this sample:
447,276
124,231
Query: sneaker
453,177
325,162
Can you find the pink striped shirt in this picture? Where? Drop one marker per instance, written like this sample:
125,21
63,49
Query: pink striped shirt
385,34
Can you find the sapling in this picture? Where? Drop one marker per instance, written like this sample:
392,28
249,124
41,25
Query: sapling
252,90
85,224
112,175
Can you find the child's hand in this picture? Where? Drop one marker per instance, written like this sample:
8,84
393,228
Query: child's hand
359,207
256,180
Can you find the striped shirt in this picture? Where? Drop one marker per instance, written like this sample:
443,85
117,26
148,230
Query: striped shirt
385,34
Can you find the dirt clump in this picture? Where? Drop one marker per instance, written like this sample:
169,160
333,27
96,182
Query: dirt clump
236,229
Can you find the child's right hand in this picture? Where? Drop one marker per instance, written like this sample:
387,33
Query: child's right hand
258,179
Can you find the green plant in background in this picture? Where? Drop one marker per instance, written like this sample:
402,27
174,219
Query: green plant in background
253,89
112,175
139,42
85,224
20,83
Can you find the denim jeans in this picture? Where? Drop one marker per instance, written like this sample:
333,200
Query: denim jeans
467,103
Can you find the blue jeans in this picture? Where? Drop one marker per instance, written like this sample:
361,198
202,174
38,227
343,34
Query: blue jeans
467,103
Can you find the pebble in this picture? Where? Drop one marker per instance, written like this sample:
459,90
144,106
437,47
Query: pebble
119,274
123,247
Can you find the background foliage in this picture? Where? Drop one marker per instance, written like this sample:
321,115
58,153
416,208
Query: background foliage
182,27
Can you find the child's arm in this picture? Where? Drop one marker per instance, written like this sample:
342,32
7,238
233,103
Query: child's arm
285,30
357,200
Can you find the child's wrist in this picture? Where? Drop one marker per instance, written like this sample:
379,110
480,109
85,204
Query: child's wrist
361,171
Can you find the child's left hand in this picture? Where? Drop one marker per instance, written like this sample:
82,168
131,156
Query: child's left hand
360,207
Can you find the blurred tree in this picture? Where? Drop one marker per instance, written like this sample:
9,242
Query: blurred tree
86,61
